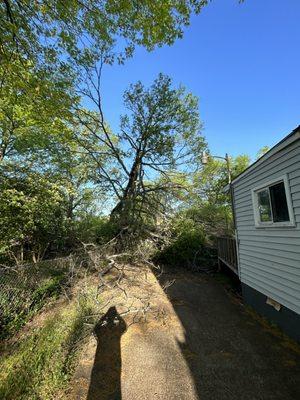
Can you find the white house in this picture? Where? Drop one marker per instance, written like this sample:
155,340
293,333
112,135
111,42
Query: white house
266,202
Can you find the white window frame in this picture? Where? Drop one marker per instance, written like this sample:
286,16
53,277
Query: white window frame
272,224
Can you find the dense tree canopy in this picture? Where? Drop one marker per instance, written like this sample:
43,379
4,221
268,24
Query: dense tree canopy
32,106
81,30
65,175
31,213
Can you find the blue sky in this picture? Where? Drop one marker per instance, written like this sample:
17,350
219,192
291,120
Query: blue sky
241,60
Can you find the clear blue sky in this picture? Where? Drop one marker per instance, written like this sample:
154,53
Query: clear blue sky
241,60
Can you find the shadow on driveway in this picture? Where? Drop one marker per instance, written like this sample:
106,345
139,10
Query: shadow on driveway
105,381
230,354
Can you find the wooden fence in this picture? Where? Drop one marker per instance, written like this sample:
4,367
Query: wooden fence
227,252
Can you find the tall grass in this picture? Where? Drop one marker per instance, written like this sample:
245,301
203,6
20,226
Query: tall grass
14,314
39,367
26,289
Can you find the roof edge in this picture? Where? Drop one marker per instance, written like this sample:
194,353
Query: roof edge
286,141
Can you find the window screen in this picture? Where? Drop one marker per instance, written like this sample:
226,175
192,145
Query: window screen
279,203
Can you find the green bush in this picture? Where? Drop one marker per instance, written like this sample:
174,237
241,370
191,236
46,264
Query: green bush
188,246
95,229
49,288
31,216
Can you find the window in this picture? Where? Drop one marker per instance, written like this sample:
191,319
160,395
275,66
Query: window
272,204
280,209
264,205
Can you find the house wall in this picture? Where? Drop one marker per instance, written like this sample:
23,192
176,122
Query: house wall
269,258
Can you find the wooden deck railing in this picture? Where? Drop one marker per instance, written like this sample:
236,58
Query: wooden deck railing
227,252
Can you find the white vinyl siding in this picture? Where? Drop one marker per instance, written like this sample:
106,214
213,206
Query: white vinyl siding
269,257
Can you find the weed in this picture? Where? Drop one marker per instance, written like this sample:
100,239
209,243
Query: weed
15,314
40,366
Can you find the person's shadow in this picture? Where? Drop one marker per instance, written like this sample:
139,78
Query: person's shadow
105,383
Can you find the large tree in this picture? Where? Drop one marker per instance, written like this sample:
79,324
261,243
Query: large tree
206,202
46,48
209,182
47,54
159,139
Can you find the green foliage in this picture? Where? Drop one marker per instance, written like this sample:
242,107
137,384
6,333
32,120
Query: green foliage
29,104
72,168
206,199
49,288
59,161
210,181
160,138
25,292
214,219
105,231
49,33
95,229
42,65
67,150
262,151
162,119
31,214
40,366
188,246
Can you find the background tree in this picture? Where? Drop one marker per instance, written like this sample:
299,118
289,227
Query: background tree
203,213
32,107
51,60
210,181
31,215
262,151
78,31
158,140
210,203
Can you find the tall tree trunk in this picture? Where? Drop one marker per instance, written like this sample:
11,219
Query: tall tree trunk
123,213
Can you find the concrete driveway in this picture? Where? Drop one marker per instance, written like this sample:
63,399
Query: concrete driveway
197,342
236,354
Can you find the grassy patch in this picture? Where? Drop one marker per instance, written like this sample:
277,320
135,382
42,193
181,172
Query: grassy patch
15,314
40,366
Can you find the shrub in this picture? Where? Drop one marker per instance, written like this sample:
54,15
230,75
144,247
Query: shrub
95,229
188,246
31,216
106,230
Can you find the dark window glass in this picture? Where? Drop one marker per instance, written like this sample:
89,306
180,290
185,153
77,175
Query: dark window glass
279,203
264,205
